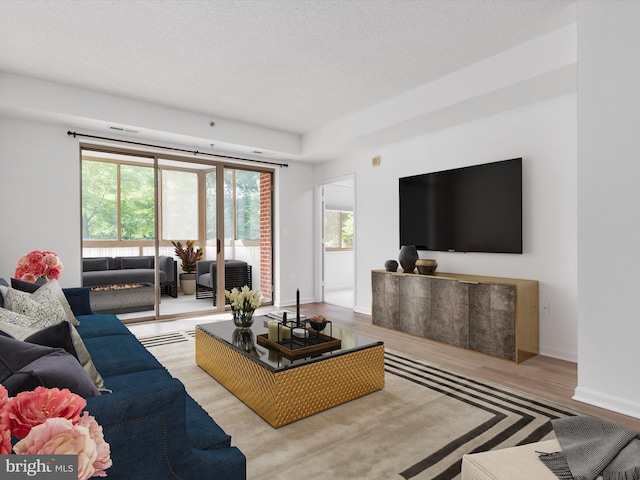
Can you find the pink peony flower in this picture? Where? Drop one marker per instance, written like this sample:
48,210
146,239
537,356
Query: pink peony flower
23,260
4,396
53,272
28,409
59,436
27,277
38,269
103,460
5,440
4,405
22,270
34,257
50,260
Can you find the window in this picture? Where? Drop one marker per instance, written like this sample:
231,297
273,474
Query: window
338,230
179,205
117,201
242,204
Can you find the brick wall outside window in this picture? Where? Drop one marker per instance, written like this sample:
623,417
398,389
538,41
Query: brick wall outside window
266,280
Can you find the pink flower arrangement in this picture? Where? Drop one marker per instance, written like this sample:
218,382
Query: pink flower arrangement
48,421
38,264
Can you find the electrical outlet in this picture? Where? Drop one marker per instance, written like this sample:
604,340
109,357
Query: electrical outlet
545,308
292,278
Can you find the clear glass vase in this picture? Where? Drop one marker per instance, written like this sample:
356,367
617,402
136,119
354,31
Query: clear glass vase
243,318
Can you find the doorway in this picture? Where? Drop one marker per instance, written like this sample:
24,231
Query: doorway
338,242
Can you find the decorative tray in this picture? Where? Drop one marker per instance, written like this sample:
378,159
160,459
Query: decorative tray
313,344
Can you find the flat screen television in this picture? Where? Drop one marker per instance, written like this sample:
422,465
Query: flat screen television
470,209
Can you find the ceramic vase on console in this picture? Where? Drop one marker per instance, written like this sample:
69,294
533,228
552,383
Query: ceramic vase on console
391,266
242,318
408,257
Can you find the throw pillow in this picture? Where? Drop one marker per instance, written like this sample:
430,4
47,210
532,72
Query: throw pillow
3,283
95,264
56,290
11,320
21,327
85,358
41,305
25,366
136,262
55,336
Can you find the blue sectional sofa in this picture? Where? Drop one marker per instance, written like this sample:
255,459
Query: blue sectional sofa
154,428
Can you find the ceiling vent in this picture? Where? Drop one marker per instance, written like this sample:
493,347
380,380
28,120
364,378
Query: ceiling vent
122,129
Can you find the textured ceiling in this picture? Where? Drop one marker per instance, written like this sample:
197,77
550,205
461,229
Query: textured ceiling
291,65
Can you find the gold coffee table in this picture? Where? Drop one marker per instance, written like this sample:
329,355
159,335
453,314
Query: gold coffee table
280,390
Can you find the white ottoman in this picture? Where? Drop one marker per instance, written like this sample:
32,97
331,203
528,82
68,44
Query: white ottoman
516,463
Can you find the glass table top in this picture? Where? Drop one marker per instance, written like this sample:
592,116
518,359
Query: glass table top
245,341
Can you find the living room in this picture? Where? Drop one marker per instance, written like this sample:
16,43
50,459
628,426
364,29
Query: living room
559,100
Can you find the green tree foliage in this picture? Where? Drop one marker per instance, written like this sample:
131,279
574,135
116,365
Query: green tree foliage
247,205
244,186
137,202
99,201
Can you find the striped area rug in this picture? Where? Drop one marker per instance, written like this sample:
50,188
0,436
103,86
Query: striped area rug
418,427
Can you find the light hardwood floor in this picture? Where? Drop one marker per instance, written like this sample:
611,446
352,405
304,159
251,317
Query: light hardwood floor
545,377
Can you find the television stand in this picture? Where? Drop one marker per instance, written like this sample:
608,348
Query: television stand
492,315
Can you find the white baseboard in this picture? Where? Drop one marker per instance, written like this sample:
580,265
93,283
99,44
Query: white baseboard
559,354
362,310
606,401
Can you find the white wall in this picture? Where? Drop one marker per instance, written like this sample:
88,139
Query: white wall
608,201
40,188
294,258
544,134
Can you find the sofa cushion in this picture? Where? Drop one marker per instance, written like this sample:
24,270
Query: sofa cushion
136,262
95,264
101,325
25,366
120,354
202,430
55,288
148,378
115,277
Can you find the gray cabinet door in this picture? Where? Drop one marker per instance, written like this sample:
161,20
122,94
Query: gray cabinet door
449,317
385,301
492,319
415,304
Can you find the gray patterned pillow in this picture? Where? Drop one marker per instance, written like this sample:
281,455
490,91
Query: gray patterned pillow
41,306
52,285
15,324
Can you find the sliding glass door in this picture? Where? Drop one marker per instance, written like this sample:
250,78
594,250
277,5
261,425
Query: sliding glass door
142,207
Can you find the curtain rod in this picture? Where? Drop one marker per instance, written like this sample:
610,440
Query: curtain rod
194,152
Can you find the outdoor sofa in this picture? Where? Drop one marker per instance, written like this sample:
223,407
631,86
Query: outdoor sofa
105,271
